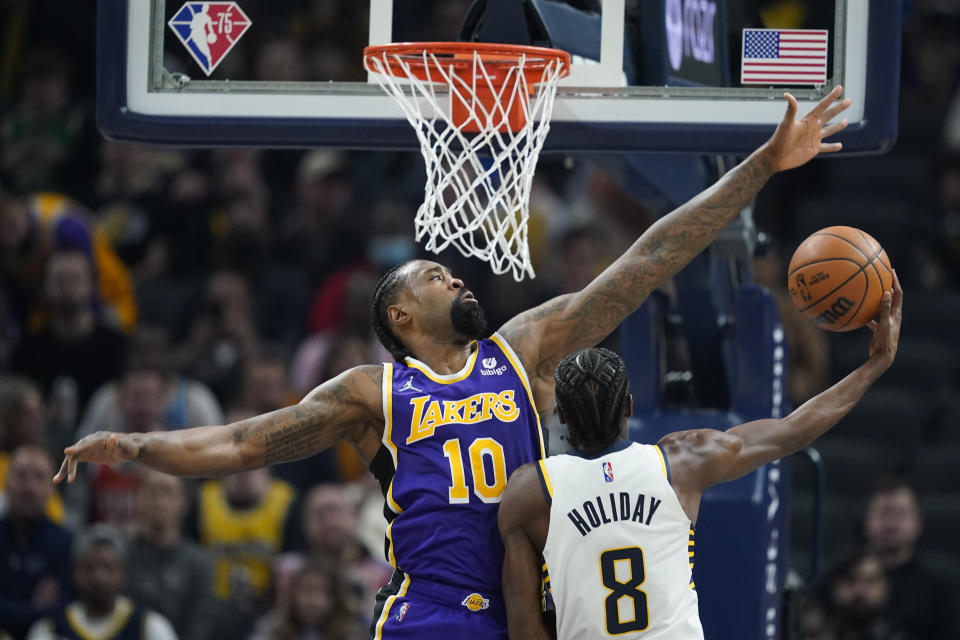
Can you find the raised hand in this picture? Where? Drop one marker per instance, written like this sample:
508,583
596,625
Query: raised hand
796,142
102,447
886,329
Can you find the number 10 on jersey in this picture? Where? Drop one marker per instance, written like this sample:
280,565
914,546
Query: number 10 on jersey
486,486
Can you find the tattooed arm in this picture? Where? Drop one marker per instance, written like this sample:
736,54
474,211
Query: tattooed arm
347,406
543,335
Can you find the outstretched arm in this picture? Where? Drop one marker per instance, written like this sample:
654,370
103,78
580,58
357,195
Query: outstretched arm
347,406
543,335
703,457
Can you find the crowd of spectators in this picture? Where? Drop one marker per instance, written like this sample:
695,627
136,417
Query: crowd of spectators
154,288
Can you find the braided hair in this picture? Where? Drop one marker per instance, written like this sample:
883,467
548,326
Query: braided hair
592,391
386,293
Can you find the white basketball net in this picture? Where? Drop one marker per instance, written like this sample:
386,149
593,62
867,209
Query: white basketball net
478,184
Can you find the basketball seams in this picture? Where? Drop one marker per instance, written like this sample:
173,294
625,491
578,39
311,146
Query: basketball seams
807,264
867,239
864,255
852,276
832,291
824,233
866,289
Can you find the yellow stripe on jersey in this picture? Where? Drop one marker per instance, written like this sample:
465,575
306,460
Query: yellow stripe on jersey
387,400
546,479
663,462
463,374
389,603
390,556
522,374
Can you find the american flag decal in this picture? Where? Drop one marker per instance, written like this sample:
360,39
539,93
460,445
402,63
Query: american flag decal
784,56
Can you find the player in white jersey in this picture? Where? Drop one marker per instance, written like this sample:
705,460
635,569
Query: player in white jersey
613,519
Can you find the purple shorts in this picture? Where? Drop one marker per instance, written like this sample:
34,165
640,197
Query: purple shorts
414,608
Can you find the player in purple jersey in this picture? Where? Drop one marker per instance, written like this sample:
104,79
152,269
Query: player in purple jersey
443,427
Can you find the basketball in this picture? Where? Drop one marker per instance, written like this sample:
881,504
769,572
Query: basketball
837,277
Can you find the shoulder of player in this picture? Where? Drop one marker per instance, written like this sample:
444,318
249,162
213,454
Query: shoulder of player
523,486
359,386
695,441
524,331
691,453
523,497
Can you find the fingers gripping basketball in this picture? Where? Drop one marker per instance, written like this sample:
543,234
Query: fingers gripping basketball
837,277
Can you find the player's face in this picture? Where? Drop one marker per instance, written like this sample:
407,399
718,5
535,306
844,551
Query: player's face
444,301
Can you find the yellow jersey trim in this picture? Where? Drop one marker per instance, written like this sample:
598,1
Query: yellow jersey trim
663,463
449,378
391,557
389,604
119,618
522,373
546,479
386,390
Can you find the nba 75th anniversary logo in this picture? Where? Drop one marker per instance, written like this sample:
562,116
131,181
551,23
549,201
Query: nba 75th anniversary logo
209,30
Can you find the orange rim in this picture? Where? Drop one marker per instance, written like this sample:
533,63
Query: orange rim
402,58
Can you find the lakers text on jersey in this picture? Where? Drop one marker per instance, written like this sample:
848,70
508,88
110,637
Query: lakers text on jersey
453,440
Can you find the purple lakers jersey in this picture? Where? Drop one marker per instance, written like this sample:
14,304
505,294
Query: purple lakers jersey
454,440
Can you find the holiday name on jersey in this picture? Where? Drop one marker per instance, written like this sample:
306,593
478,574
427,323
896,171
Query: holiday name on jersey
429,414
621,507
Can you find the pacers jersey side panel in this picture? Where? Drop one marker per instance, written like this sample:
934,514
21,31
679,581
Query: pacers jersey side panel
456,439
617,549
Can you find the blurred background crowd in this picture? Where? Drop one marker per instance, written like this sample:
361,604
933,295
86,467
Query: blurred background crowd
154,288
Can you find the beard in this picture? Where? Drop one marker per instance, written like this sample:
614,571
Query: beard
468,318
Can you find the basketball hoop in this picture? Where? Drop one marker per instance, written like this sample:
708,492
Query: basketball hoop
481,147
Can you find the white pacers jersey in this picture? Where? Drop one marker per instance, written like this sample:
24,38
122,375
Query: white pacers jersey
620,548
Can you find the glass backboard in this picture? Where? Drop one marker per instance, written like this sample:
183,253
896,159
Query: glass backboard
648,75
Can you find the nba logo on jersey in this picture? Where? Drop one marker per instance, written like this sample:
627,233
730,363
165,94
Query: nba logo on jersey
402,612
607,472
209,30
